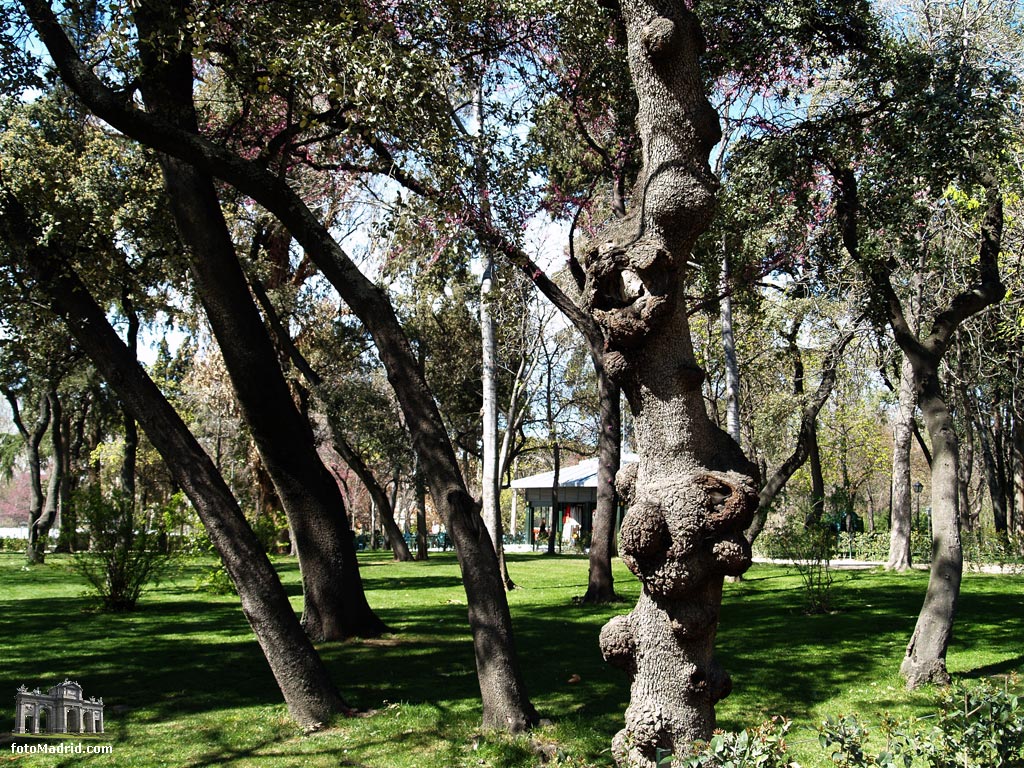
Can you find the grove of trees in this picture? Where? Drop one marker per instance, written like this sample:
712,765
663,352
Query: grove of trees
327,269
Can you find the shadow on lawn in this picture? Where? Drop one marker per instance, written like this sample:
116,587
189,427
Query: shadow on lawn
181,654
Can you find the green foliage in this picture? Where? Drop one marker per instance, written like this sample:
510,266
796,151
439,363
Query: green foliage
125,555
809,546
978,726
760,747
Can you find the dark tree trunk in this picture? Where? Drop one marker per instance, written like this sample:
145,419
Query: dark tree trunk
555,503
600,583
1017,520
505,702
131,431
68,518
421,514
311,696
34,550
57,460
335,605
990,463
693,492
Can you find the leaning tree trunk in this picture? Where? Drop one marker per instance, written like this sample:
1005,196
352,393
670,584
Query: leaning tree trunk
693,492
900,527
311,697
335,605
506,704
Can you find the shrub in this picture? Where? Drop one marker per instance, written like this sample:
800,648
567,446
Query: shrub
978,726
125,556
761,747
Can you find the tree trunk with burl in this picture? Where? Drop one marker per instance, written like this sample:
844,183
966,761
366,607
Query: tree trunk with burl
693,492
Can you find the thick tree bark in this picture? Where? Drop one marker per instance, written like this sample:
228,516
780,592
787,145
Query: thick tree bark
343,448
506,705
308,691
900,527
335,604
693,492
925,660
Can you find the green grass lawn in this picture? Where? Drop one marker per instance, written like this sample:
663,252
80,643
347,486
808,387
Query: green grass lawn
185,684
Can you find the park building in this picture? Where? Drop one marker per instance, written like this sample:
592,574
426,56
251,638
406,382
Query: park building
62,709
577,500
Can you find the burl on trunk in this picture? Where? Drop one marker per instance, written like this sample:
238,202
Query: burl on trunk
693,492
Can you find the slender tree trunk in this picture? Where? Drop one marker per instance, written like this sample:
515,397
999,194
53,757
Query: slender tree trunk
377,494
1017,522
555,503
732,366
34,550
966,460
131,431
490,484
693,492
45,522
308,691
421,514
899,533
990,464
600,583
808,421
68,518
925,660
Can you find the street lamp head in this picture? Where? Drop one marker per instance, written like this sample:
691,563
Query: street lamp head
918,487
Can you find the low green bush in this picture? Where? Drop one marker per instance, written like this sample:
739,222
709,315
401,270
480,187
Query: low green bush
126,555
978,725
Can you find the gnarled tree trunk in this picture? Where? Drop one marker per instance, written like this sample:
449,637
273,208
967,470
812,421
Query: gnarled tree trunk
693,492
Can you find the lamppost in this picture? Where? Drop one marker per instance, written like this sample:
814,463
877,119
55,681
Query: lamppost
918,487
